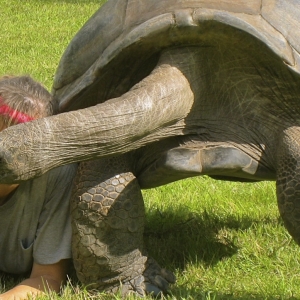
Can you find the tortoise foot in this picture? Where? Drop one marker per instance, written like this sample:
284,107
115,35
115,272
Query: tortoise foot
157,280
153,281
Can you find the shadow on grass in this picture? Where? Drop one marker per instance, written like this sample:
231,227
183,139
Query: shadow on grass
208,295
179,237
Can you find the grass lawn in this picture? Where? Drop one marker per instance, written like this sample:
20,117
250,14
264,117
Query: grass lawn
223,240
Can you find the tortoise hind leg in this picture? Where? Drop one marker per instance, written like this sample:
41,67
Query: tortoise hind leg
288,181
108,224
218,160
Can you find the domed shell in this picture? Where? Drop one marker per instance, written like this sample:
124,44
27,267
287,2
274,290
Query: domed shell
121,42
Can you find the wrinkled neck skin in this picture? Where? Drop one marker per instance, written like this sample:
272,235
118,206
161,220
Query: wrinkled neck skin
208,92
153,109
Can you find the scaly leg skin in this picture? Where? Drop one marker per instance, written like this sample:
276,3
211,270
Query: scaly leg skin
288,181
108,224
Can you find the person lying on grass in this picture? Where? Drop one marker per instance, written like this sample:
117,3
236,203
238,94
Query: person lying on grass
35,229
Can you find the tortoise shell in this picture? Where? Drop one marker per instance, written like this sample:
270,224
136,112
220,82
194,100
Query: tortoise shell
121,42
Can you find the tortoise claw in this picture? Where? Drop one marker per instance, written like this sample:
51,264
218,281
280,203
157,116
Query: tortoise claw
157,279
152,290
168,275
154,281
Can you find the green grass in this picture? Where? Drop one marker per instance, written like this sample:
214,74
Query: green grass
223,240
34,34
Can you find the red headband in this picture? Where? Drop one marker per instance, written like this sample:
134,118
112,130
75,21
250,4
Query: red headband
14,114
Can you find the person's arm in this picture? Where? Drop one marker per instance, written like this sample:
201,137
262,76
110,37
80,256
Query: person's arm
43,278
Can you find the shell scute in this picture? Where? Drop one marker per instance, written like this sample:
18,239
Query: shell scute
121,29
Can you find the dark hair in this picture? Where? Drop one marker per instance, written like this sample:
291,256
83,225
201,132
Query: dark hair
25,95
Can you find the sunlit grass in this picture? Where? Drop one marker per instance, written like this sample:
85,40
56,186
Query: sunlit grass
223,240
35,33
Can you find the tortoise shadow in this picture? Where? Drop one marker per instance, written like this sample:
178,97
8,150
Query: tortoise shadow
193,293
176,238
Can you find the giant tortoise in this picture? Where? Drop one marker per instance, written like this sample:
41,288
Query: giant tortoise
159,91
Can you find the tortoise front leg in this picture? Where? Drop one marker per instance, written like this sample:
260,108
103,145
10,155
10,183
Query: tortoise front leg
288,181
108,224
